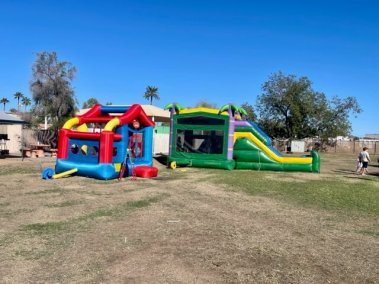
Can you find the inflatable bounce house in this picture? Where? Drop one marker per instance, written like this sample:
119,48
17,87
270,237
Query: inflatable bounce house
203,137
105,141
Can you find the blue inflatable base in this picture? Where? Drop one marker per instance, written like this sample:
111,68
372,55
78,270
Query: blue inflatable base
98,171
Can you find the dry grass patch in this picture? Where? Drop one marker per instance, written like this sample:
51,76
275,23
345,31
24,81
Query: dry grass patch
189,226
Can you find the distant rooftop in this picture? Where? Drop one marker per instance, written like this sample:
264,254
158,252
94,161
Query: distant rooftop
372,136
7,118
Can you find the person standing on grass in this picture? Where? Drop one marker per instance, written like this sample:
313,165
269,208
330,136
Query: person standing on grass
365,158
359,164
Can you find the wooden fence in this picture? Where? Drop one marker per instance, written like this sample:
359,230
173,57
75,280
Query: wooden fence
354,146
32,136
339,146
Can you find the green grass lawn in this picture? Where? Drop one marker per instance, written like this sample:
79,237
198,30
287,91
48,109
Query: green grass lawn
331,193
337,188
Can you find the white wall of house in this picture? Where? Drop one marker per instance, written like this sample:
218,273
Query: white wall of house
14,135
160,143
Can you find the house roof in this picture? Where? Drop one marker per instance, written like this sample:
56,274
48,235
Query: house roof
159,114
6,118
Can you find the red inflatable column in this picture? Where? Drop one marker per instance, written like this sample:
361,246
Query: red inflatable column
63,143
106,147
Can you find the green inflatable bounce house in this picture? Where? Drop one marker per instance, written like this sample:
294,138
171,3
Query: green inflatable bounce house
211,138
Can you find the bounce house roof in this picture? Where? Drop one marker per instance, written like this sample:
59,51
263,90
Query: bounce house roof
100,114
203,110
157,114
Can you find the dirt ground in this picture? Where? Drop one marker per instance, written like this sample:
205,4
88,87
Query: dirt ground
177,228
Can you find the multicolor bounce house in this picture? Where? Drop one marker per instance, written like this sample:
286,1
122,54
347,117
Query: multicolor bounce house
203,137
98,143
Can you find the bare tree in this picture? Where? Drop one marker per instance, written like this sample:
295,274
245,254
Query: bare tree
204,103
51,88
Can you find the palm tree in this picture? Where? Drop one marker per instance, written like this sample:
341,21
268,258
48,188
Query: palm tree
4,101
26,102
151,93
18,96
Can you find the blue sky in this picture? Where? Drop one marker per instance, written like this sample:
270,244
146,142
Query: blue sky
218,51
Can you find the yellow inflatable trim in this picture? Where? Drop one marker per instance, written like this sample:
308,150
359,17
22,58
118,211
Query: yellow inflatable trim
112,124
201,109
82,128
117,167
66,173
271,154
84,149
71,122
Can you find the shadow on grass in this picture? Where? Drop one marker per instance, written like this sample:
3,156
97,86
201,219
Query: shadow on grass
161,158
343,171
366,177
166,178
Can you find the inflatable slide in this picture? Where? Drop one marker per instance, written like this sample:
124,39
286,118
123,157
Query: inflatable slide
253,150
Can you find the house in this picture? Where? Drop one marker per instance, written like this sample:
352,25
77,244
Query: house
10,133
